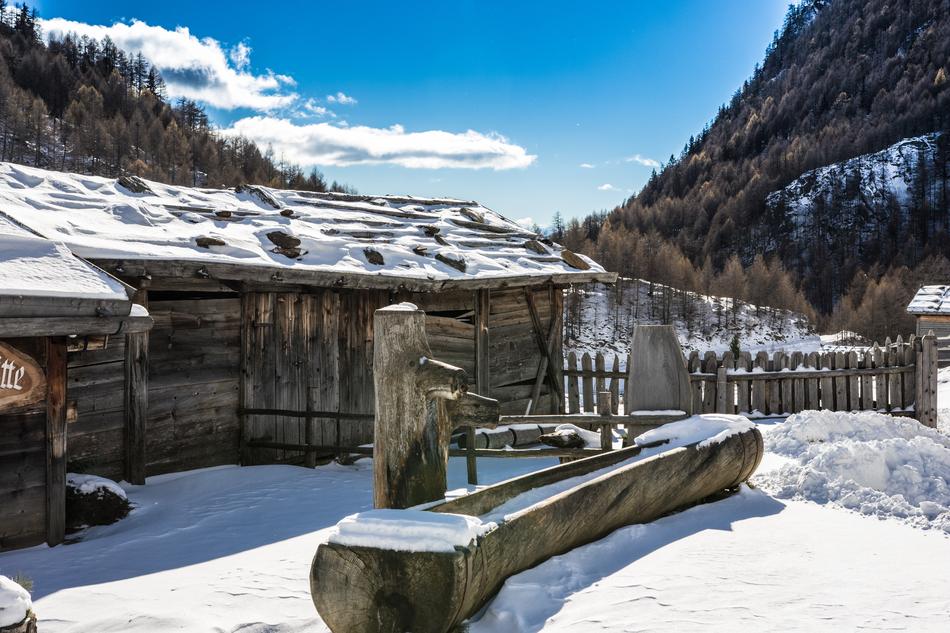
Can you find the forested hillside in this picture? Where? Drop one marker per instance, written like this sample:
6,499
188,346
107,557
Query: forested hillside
85,106
842,79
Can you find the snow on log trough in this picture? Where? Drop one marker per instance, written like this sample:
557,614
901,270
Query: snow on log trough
428,568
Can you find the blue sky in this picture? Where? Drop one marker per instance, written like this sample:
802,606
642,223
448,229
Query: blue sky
569,103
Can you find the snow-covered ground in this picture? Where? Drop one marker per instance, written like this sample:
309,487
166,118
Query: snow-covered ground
601,322
229,549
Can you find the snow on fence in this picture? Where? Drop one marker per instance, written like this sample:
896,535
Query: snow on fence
899,377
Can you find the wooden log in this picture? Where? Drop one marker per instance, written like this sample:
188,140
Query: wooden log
56,364
374,590
657,375
588,383
573,395
411,432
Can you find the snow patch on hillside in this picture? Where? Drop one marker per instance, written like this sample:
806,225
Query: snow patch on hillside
857,195
598,319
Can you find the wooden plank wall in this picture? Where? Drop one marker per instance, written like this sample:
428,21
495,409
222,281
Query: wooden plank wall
96,391
23,465
513,349
194,356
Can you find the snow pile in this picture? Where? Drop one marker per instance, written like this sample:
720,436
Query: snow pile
869,462
91,484
591,438
32,266
15,602
409,530
707,429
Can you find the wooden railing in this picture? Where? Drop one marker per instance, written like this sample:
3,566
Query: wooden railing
898,377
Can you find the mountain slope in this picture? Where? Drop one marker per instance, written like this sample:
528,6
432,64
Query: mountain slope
841,79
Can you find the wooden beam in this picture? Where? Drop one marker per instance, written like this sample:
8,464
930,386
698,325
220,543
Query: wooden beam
56,363
546,367
482,358
278,276
136,399
19,327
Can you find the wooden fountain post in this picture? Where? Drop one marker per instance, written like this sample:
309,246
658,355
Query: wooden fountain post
412,429
657,378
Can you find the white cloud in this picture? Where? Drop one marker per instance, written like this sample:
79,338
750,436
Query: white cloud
607,187
342,99
334,144
194,68
312,108
240,55
586,166
642,160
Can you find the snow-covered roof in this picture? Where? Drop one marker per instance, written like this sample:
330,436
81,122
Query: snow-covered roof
931,300
389,237
31,267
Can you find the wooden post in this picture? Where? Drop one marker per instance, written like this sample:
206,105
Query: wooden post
55,440
482,357
604,400
926,403
471,464
412,429
724,396
657,376
136,398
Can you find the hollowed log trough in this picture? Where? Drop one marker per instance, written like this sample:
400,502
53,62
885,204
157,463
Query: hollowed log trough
372,590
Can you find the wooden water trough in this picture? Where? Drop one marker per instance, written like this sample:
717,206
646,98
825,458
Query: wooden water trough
427,568
381,590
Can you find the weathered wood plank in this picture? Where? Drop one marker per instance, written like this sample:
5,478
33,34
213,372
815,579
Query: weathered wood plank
56,367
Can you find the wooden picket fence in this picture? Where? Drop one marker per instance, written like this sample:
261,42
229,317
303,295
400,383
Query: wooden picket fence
898,377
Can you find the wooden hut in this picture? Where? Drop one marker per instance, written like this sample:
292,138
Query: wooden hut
263,304
931,307
55,309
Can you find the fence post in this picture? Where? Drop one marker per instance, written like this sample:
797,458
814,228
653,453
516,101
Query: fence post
722,392
604,400
925,405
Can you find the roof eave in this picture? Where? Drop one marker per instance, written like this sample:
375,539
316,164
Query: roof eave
284,276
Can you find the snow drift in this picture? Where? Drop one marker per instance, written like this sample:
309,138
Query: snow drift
868,462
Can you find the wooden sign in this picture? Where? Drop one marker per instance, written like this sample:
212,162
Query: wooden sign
22,381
